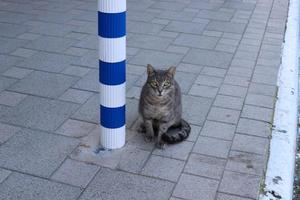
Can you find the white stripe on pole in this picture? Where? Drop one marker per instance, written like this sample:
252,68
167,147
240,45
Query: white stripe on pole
113,137
112,49
114,95
111,6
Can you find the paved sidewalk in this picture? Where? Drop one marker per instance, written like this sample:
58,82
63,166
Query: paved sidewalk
227,54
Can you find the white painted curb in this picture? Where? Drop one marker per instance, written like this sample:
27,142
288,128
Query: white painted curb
280,169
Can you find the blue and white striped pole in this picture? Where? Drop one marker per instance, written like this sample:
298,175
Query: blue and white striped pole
112,72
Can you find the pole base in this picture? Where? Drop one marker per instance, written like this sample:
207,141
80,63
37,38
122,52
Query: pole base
112,138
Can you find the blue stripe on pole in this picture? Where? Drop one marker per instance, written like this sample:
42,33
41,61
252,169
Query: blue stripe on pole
111,25
112,73
112,117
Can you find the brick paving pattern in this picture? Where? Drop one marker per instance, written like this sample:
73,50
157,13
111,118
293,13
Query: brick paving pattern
227,54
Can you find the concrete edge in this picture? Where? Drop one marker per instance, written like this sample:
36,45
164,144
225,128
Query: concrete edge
280,169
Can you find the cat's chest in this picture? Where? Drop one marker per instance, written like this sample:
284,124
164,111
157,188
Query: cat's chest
158,111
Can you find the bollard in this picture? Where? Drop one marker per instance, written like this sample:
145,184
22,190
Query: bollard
112,72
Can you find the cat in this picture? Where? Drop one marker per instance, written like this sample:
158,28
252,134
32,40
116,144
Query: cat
160,108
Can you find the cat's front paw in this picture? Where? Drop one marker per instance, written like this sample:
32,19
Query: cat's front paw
161,145
148,138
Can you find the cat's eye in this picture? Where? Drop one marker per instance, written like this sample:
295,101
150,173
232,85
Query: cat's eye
167,84
154,84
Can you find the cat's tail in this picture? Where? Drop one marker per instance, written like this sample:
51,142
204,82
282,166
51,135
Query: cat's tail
177,134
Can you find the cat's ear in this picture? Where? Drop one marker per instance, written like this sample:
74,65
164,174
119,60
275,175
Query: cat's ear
150,69
171,71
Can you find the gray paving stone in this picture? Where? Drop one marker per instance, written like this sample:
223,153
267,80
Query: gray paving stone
89,110
212,147
169,34
224,115
30,152
212,71
238,71
234,183
260,100
253,127
208,58
44,84
138,140
135,15
75,173
195,131
38,113
169,6
225,48
9,45
175,15
75,51
203,91
52,29
128,186
88,81
226,27
134,92
250,144
48,62
164,168
156,58
193,187
11,98
12,30
177,49
264,79
218,130
16,72
7,62
90,42
195,109
258,113
28,36
25,187
205,166
75,128
178,151
136,69
237,80
240,5
229,102
144,28
185,80
209,80
131,111
185,67
215,15
205,5
239,62
186,27
6,82
14,18
222,196
196,41
257,88
25,53
246,163
4,174
51,44
7,131
149,42
233,90
133,159
76,96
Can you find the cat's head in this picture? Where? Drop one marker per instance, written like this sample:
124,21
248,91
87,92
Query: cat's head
161,81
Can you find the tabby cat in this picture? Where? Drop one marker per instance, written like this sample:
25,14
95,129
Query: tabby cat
160,108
